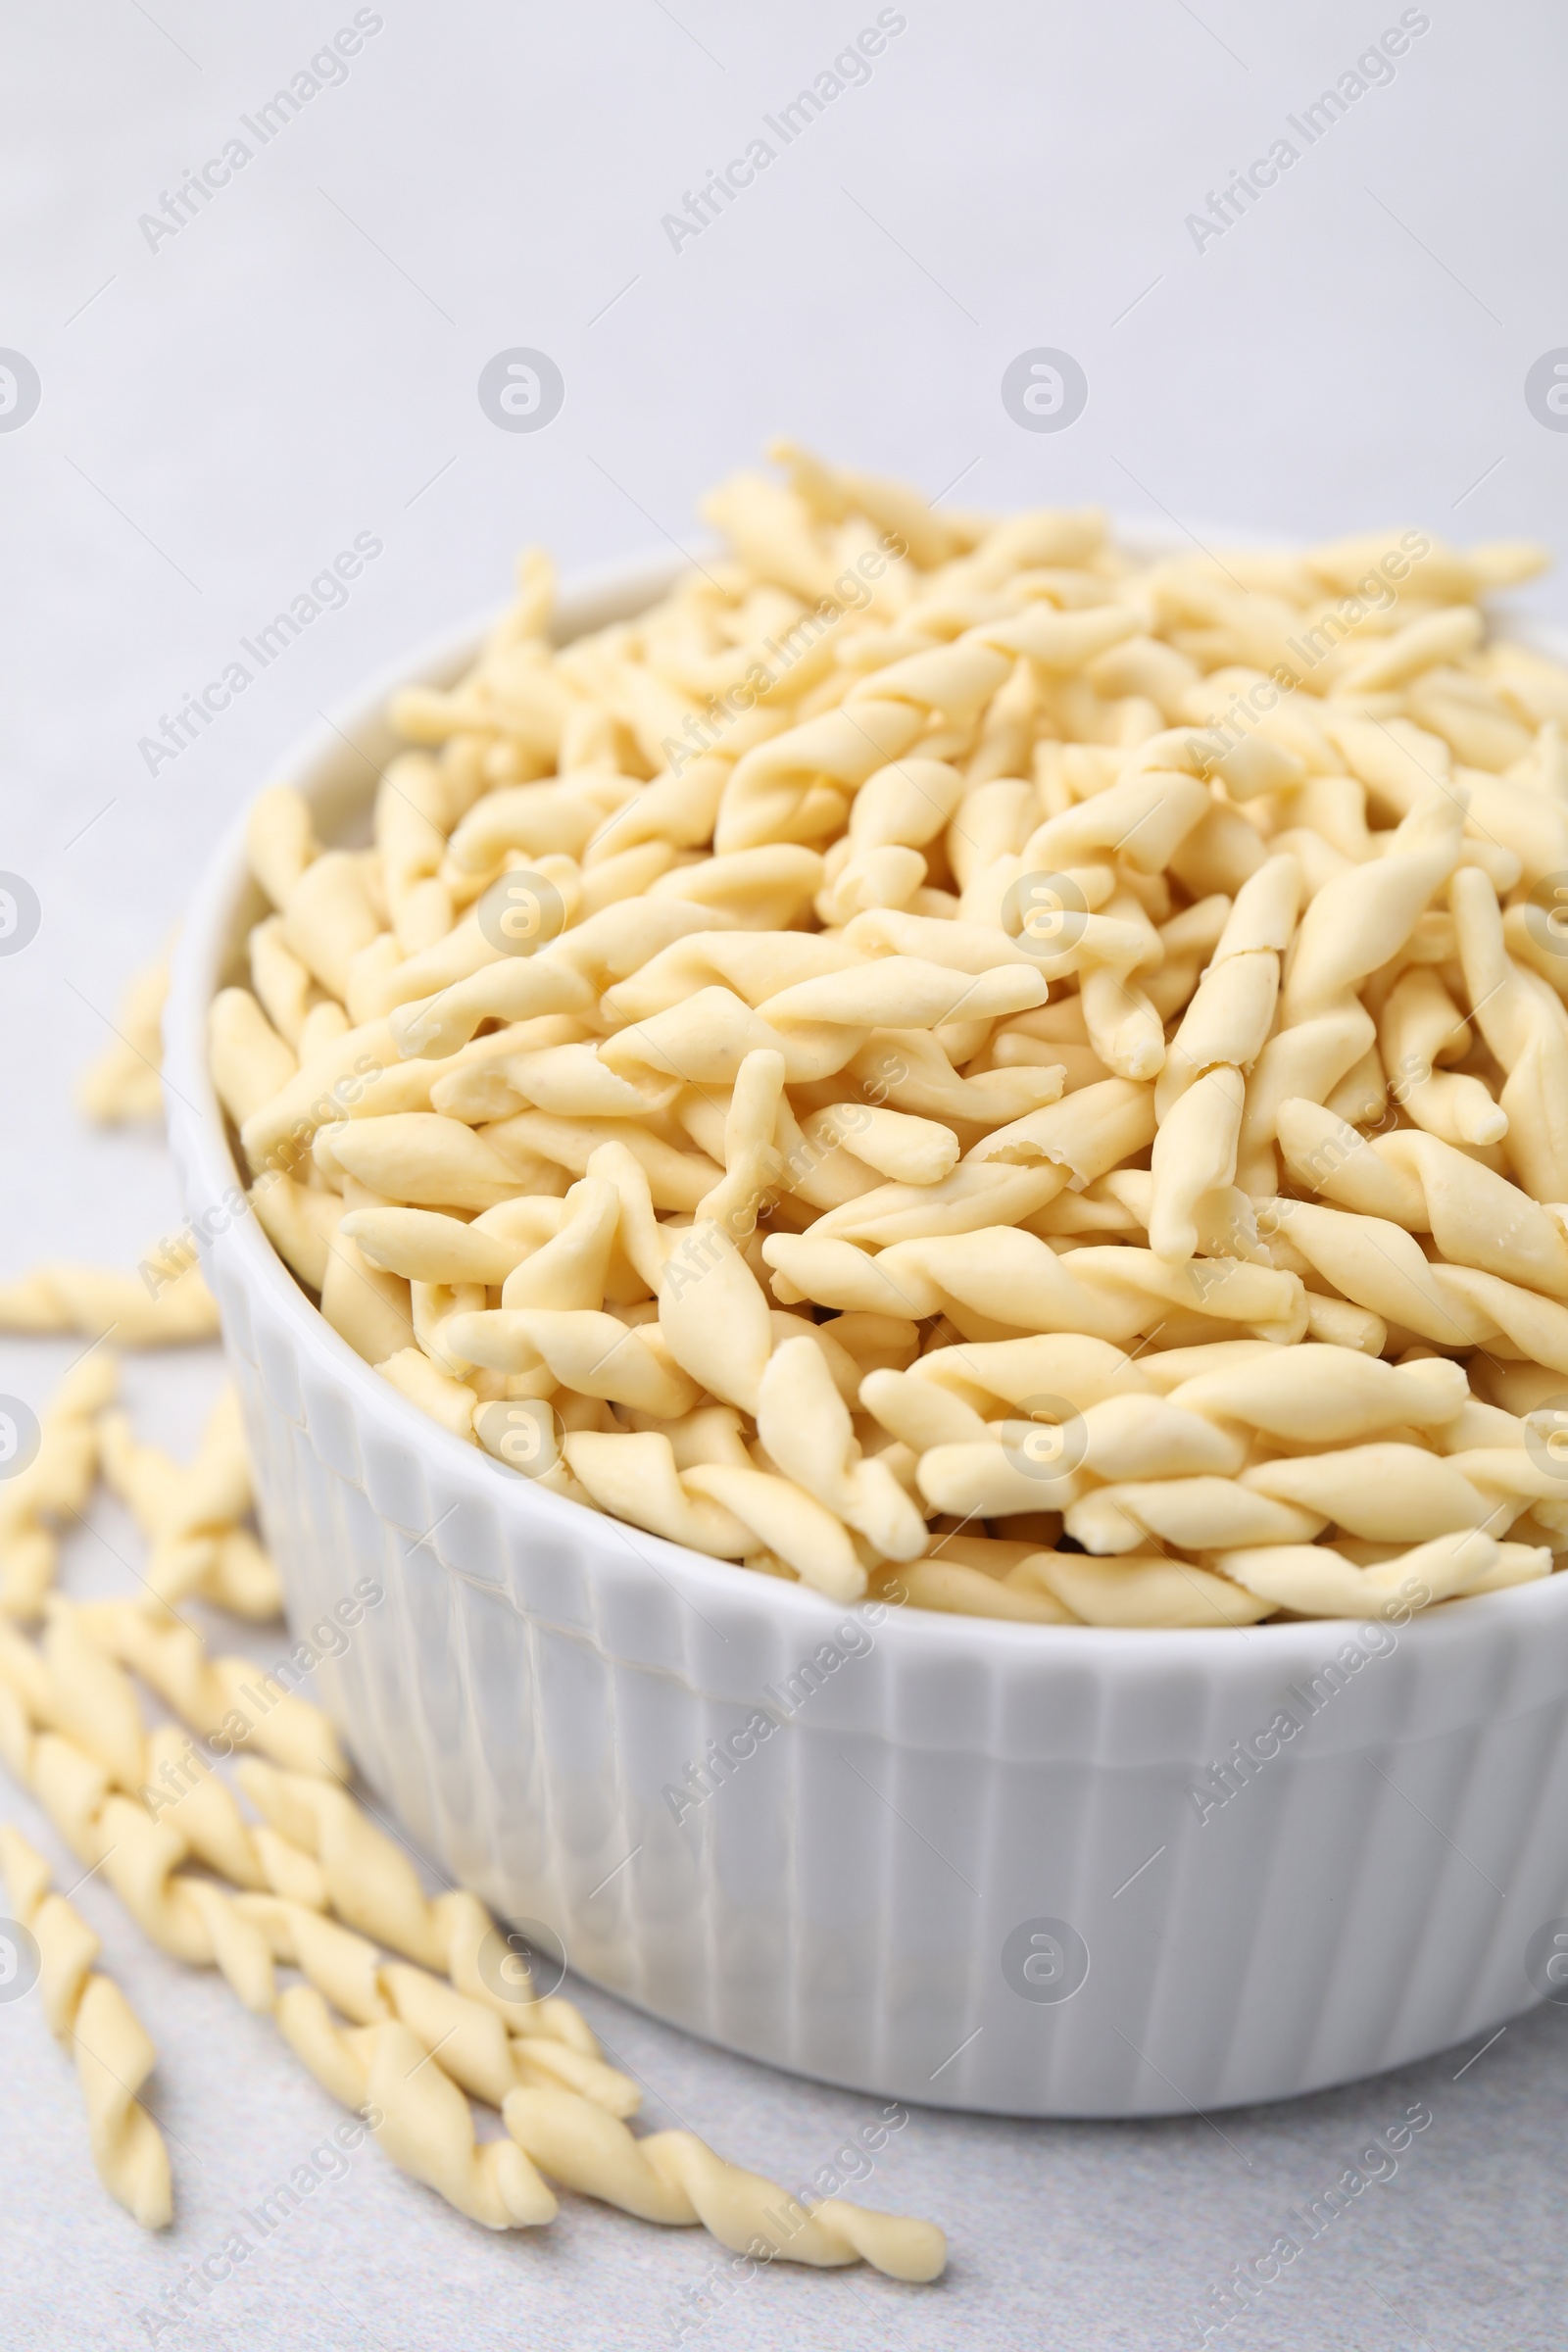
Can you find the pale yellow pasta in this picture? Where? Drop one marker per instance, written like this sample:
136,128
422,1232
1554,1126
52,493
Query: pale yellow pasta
1321,1582
69,1689
1526,1027
533,2058
1351,927
208,1693
136,1807
194,1517
675,2178
90,2015
316,1848
54,1484
960,926
1420,1026
1201,1092
79,1772
1476,1217
124,1081
173,1305
429,2132
1147,1590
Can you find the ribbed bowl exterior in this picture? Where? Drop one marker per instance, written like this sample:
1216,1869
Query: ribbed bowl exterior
855,1899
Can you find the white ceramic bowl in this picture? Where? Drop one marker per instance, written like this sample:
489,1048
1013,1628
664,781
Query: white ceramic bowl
902,1889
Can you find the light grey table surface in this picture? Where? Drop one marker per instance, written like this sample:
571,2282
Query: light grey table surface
224,408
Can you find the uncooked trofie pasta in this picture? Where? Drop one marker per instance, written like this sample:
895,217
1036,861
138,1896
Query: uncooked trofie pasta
136,1807
123,1082
91,2016
949,1060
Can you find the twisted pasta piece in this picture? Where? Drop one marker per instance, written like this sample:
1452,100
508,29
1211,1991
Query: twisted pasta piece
418,1157
425,2129
1153,807
960,1590
373,1886
1318,1581
102,1304
1390,1493
1144,1590
1380,1266
1526,1026
714,1317
370,1883
896,812
910,1071
753,1164
279,841
425,2126
1013,1278
1200,1093
798,786
1352,926
634,1476
89,2014
193,1516
1122,1021
962,945
302,1225
500,988
836,493
1475,1216
58,1480
575,1266
1435,637
328,918
72,1687
1022,1467
1196,1514
478,2051
425,1246
1325,1395
284,989
750,964
1419,1026
413,813
123,1082
818,1024
189,1918
533,1139
787,1521
804,1425
277,1137
250,1061
223,1698
594,1354
675,2178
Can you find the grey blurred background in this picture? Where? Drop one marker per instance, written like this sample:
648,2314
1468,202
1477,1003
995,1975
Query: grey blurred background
225,404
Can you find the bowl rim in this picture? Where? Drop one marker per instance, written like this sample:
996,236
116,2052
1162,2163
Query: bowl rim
590,599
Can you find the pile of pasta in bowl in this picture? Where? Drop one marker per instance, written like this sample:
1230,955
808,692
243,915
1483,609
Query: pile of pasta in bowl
949,1060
